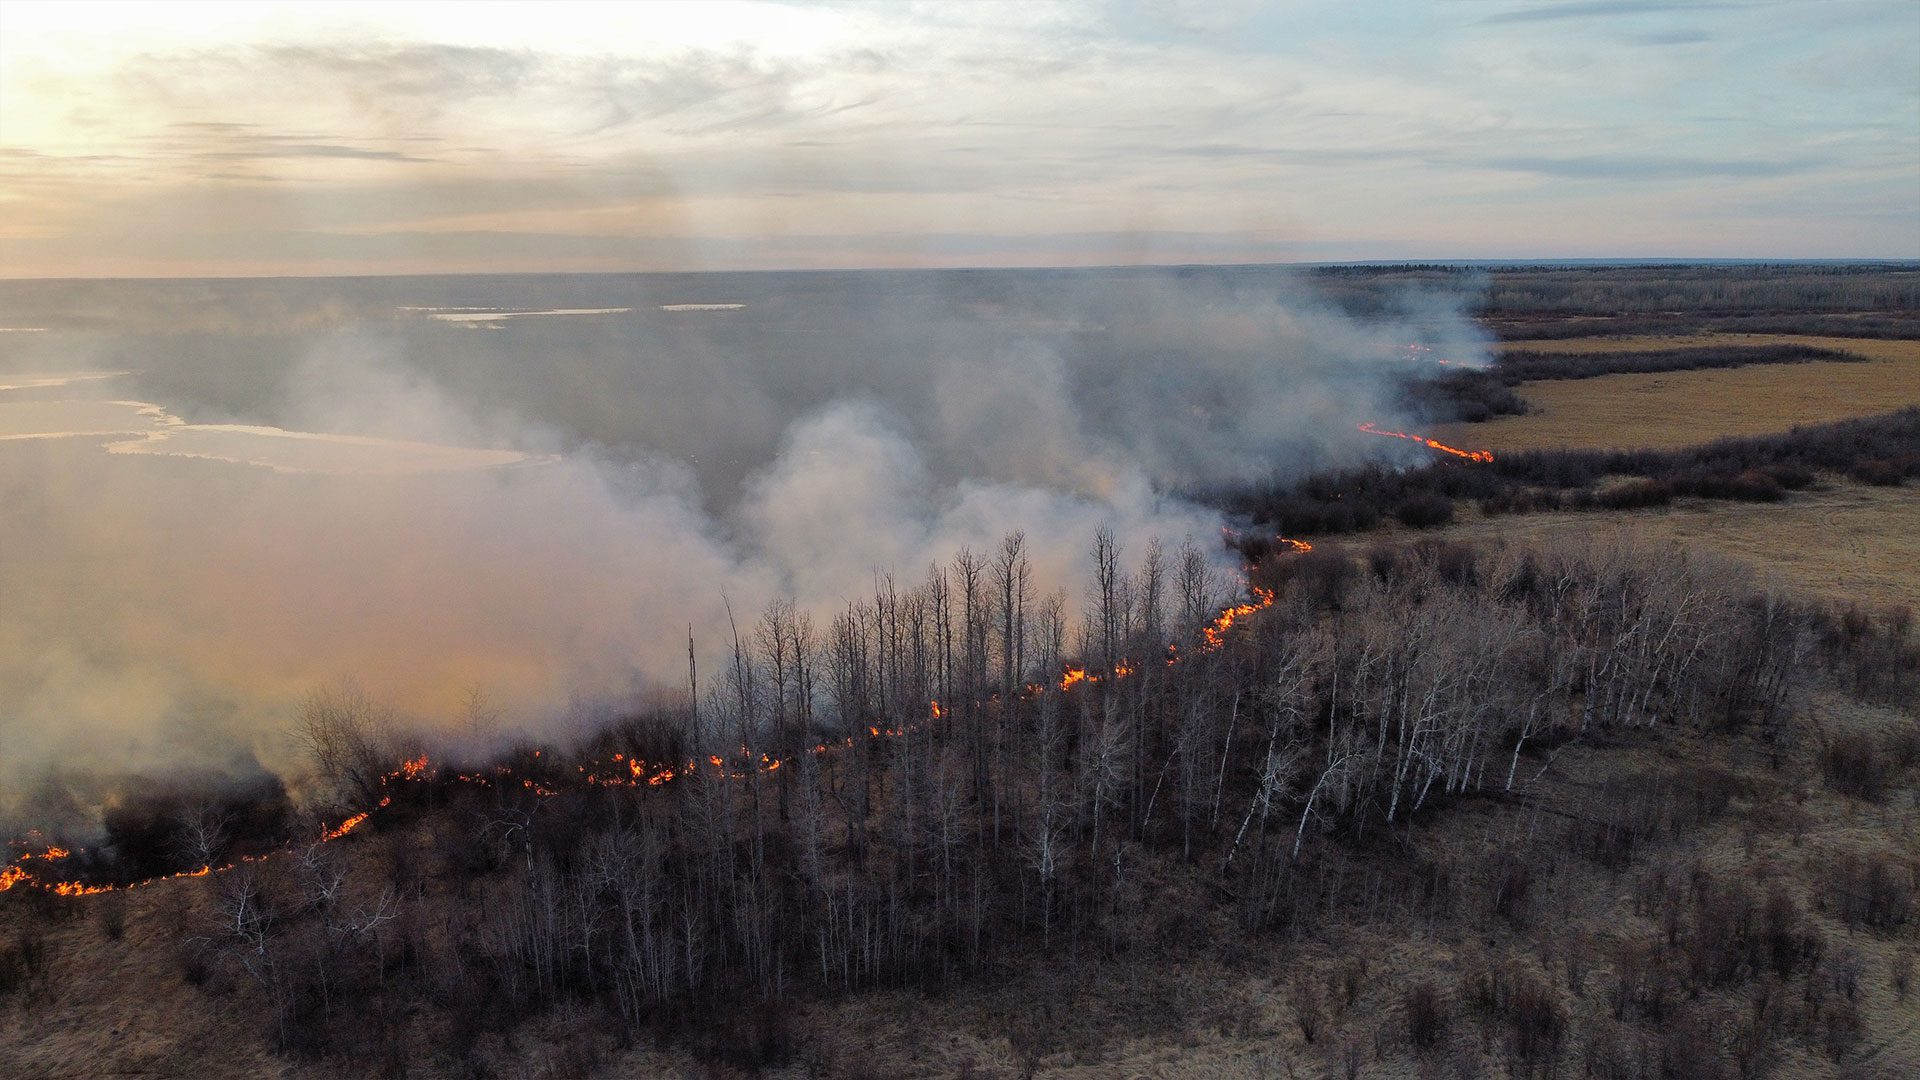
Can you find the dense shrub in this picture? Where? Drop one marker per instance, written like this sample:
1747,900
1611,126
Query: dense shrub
1875,889
1633,495
1521,301
1426,1011
1735,937
1516,365
1465,394
1855,764
1880,472
1757,469
25,965
1551,328
1425,511
1527,1008
1750,485
148,827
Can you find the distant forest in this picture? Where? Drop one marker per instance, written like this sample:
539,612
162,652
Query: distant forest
1518,302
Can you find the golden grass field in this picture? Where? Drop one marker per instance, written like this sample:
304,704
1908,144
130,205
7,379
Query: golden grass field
1840,540
1681,408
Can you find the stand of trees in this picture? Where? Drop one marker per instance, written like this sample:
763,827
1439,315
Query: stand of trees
1538,302
922,843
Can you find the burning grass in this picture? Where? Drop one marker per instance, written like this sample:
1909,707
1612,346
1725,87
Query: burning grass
1882,450
151,835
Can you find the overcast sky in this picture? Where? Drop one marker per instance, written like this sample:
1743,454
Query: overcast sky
190,139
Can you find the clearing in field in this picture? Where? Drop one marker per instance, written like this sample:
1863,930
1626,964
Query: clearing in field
1683,408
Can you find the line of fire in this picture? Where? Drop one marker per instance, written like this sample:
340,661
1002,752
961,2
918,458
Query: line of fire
39,863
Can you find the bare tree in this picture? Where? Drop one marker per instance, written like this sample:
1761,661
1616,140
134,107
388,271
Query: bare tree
322,875
349,741
201,835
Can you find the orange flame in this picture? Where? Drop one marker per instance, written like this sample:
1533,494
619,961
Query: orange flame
346,826
630,772
1214,634
1433,444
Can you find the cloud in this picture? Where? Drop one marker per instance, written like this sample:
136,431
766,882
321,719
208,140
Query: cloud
1607,9
1325,130
1634,168
283,147
1661,39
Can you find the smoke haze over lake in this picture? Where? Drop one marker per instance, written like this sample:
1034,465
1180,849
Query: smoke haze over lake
223,493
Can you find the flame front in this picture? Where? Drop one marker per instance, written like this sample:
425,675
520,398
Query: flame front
1214,634
620,770
1432,444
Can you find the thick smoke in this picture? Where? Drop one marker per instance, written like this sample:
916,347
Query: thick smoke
542,505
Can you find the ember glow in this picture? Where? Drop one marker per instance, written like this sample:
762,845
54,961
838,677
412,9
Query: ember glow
618,770
22,870
1432,444
1214,634
346,826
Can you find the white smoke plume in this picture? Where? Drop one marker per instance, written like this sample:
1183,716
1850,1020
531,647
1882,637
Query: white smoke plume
261,488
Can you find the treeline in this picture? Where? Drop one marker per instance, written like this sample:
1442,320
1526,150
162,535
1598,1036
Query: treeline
1258,766
1703,290
1880,450
1539,328
1472,395
1519,365
1864,300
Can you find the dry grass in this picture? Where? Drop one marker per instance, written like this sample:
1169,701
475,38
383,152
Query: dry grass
1849,541
1237,1022
123,1007
1681,408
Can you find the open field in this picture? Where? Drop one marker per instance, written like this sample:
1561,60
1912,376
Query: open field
1682,408
1846,541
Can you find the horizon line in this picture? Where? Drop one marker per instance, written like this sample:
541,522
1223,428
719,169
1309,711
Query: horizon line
1469,263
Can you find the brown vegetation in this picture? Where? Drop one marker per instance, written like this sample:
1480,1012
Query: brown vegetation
1560,807
1491,745
1842,540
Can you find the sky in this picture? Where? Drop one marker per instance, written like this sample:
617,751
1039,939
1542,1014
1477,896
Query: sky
216,139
